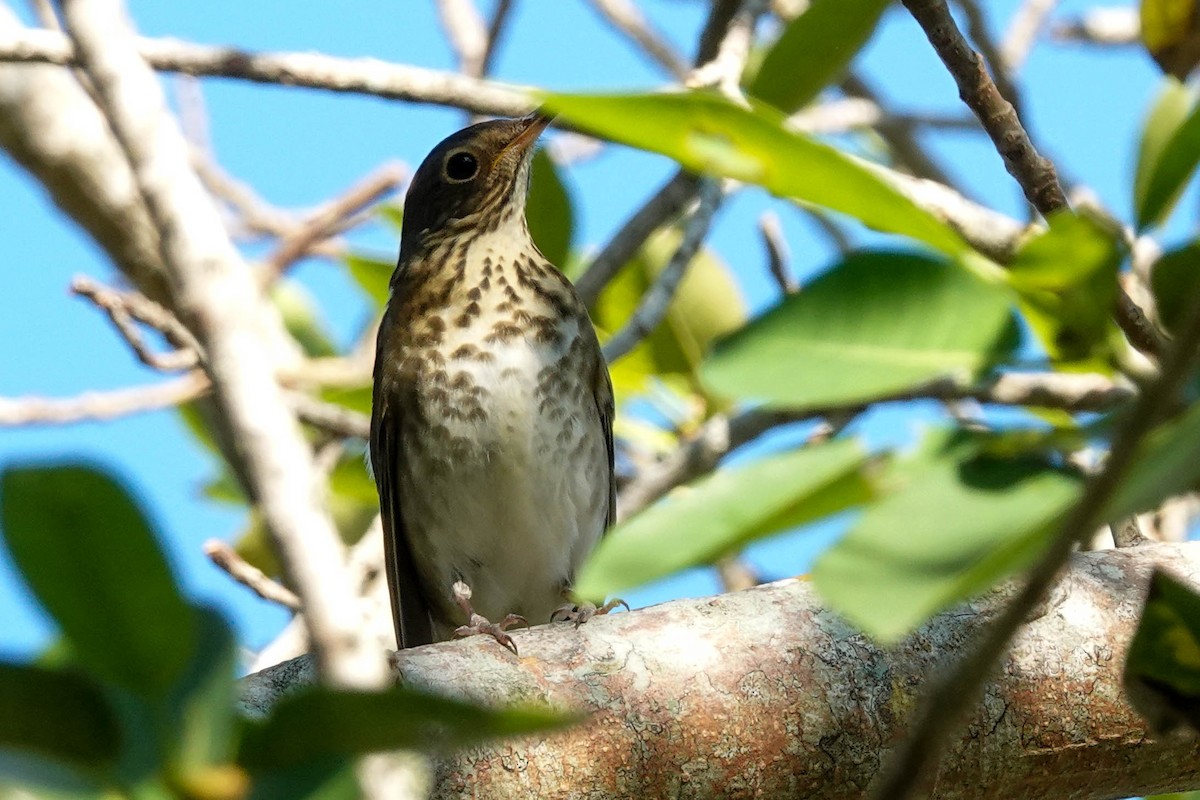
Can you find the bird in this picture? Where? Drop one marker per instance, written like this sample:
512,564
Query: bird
491,424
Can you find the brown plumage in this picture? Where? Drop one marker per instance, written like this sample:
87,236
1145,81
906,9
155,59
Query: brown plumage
491,426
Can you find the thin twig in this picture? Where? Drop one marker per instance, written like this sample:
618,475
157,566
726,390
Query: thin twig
1034,173
626,17
102,405
1127,532
357,76
495,32
466,32
778,261
1024,27
331,218
215,296
977,29
250,576
334,419
654,303
1119,26
123,308
662,206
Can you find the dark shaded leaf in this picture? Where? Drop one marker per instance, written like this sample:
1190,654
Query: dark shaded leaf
1162,669
322,724
722,513
1171,32
1165,465
202,702
1175,282
706,132
874,325
57,714
814,50
89,555
326,779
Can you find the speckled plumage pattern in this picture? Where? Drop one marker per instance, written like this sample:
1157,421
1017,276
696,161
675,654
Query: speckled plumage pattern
491,429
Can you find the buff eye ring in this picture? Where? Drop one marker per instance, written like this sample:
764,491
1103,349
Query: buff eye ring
460,167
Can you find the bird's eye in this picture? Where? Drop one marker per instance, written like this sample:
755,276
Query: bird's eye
461,166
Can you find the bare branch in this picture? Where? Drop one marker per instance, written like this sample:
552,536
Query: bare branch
250,576
93,406
125,307
1103,26
654,303
338,420
466,32
358,76
977,29
1024,28
332,218
778,260
626,17
662,206
215,296
496,27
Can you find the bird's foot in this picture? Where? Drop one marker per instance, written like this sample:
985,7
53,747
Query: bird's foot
580,613
478,624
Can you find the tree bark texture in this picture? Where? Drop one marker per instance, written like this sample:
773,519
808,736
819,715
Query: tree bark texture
766,693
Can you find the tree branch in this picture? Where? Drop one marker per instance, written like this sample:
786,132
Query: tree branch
765,693
92,406
215,296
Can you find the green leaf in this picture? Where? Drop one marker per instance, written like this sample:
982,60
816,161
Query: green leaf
707,304
1066,279
706,132
549,210
722,513
59,715
875,325
814,50
1165,465
1175,280
955,524
202,702
1170,29
1162,669
372,274
328,779
89,555
324,723
1169,152
392,214
302,319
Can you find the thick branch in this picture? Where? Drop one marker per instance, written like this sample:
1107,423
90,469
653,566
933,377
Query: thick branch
765,693
216,297
355,75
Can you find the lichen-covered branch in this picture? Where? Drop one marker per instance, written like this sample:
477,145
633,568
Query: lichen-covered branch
765,693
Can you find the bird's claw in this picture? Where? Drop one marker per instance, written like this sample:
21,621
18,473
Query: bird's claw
481,625
580,613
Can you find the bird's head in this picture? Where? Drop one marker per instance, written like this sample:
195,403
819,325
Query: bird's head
479,176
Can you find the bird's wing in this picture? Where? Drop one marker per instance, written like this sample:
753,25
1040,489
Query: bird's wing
605,406
410,608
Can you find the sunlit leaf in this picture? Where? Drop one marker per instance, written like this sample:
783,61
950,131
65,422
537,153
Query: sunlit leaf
323,723
372,274
706,132
954,525
549,210
1168,154
813,51
722,513
874,325
90,557
1066,278
302,318
1162,669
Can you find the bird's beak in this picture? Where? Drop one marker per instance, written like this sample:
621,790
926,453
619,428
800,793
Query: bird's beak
533,125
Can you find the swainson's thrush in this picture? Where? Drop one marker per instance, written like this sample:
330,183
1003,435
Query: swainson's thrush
491,426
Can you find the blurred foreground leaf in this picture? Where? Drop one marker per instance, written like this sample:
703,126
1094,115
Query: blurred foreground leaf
90,557
718,515
708,133
1167,155
874,325
550,211
1162,669
324,723
1171,32
1175,281
954,524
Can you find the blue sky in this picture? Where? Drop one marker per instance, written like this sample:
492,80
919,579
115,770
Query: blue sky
298,147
